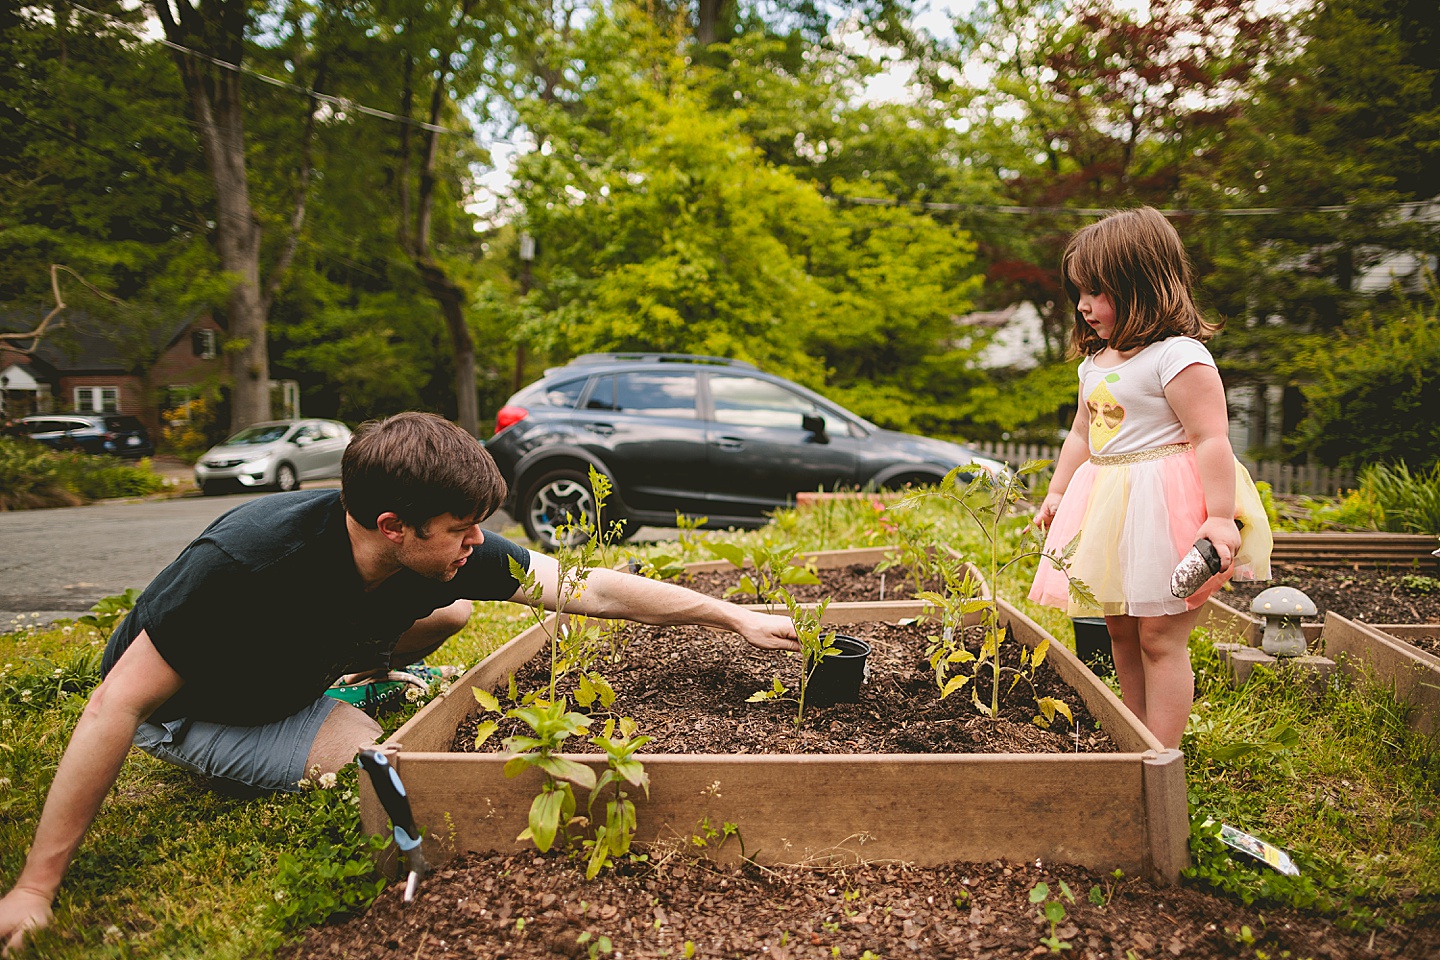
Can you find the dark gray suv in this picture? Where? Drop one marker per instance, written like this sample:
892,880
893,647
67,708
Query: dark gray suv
699,436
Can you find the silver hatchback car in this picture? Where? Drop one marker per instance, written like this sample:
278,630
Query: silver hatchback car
276,455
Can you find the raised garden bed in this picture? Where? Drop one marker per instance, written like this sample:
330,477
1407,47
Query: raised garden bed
1396,551
1123,809
846,576
1403,655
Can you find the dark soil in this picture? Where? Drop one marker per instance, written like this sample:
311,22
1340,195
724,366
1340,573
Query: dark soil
856,582
1369,595
527,907
688,687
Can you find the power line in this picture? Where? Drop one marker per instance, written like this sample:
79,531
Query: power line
343,103
1409,206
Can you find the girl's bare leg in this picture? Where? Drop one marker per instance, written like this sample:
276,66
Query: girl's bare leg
1169,681
1129,665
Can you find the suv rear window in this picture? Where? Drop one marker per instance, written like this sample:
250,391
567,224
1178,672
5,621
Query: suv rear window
645,394
564,395
123,423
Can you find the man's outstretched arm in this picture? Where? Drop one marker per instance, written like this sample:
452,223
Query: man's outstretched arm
612,595
139,682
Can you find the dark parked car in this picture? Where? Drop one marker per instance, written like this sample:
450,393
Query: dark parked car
117,435
699,435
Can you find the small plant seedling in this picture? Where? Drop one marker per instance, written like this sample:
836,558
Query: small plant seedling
595,946
815,645
770,570
986,500
1053,911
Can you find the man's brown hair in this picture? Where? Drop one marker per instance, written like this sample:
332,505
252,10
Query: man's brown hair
1134,257
419,466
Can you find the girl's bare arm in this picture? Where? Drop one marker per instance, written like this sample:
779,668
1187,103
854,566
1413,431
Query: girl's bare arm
1198,398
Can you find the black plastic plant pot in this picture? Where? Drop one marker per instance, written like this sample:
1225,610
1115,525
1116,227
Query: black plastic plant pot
1092,644
839,677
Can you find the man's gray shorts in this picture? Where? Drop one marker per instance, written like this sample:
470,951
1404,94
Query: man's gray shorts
268,757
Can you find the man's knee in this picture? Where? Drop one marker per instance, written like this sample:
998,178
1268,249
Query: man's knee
345,732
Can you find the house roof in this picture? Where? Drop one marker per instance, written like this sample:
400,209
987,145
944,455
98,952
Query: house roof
83,346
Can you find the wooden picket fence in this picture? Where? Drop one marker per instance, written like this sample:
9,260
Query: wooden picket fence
1285,479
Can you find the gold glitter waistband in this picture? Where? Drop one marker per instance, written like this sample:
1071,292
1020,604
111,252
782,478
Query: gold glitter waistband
1140,456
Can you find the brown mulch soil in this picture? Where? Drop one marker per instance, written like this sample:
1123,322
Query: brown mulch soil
1368,594
528,907
854,583
687,688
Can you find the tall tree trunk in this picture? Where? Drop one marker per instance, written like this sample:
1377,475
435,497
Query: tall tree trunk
447,293
217,28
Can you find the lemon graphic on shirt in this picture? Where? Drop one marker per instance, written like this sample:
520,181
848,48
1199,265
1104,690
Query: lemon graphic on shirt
1106,416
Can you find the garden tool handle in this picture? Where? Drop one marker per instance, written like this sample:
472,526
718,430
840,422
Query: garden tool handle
391,791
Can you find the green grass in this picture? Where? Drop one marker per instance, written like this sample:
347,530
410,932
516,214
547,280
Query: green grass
172,869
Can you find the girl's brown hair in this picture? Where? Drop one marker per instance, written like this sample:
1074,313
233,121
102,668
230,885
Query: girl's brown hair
1134,257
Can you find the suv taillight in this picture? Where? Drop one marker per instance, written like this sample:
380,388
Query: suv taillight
509,415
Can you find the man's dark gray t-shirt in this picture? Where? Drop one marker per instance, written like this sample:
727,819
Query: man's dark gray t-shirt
265,609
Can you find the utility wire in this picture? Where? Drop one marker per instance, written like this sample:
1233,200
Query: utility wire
342,103
1410,206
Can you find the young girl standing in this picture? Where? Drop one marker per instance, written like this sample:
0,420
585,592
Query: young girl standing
1147,469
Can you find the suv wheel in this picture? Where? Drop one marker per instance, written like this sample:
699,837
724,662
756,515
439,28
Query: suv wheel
554,504
286,479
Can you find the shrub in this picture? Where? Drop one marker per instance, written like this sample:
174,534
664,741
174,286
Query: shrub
1410,501
32,476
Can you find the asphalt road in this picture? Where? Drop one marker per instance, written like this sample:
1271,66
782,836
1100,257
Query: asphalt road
57,563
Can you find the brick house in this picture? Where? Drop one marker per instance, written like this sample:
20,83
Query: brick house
83,372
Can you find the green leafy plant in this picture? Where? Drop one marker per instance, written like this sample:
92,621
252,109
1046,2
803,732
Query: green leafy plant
1409,501
915,550
816,644
615,833
550,724
109,611
765,571
1053,911
328,866
1419,583
985,500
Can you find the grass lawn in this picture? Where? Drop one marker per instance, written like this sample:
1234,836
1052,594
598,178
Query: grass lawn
173,869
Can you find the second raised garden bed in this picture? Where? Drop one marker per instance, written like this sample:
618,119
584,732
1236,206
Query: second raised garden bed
1124,809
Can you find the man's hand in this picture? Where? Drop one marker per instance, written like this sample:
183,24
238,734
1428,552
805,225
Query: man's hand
21,911
768,631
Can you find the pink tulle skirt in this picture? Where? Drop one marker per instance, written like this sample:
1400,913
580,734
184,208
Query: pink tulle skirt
1135,520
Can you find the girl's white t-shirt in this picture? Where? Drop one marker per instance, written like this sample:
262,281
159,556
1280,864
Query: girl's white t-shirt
1126,402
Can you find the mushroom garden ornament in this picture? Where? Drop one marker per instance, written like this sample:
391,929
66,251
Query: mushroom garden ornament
1281,608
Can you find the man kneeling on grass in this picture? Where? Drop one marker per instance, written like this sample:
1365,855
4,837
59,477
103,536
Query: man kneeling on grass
223,665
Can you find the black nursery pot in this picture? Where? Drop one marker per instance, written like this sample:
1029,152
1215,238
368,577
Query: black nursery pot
838,678
1092,644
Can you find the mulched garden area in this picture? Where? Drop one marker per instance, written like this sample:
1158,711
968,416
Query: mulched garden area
687,688
1368,594
529,907
856,582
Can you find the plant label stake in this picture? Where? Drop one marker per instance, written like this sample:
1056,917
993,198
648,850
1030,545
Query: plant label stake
1264,852
397,804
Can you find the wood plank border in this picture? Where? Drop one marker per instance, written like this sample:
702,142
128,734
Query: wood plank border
1410,672
1124,809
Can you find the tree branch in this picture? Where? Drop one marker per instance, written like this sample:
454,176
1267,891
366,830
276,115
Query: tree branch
45,324
302,197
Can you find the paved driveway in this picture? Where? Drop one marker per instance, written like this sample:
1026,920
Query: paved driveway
57,563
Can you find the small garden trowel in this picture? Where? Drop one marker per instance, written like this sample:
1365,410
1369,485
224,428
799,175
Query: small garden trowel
397,804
